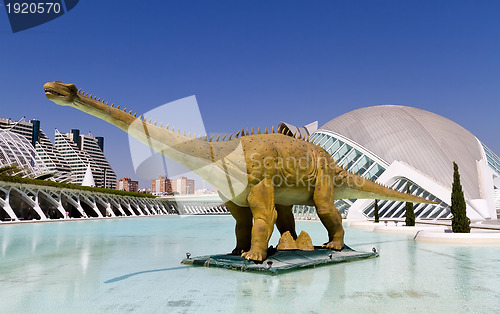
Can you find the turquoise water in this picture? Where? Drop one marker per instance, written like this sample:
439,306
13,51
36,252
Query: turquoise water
124,265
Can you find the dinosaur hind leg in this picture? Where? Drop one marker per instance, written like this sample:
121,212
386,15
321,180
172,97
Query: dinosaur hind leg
328,213
243,229
261,200
285,221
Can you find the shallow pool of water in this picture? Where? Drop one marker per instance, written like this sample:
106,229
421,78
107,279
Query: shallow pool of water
133,264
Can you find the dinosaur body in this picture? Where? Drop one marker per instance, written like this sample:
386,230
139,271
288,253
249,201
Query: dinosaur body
259,176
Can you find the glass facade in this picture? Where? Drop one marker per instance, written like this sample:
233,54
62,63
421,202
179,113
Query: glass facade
347,156
393,210
359,162
492,158
494,163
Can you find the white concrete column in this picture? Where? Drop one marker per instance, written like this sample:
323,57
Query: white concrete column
37,208
6,206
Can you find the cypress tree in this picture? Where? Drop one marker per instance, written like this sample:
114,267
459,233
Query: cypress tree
460,223
410,211
375,212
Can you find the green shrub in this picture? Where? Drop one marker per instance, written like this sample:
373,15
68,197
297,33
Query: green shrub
460,223
410,210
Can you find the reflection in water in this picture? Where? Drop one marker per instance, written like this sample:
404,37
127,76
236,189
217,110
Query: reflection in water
5,242
464,269
133,264
84,258
303,290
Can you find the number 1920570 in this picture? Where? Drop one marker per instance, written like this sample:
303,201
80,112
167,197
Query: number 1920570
33,8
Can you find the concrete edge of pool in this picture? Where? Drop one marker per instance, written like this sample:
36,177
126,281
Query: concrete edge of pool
486,237
440,233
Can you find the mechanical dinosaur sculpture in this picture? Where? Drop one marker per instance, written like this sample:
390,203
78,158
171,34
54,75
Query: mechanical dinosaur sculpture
259,176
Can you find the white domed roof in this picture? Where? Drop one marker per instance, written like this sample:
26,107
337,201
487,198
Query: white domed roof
422,139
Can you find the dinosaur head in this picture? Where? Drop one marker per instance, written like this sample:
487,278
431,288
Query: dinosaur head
60,93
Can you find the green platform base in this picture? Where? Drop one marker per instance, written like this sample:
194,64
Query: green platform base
280,261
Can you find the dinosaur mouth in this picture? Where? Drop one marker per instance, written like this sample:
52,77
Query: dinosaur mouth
52,92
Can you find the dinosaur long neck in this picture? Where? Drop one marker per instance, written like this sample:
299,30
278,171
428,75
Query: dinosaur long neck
216,162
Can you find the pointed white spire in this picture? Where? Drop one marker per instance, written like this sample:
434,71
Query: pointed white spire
88,180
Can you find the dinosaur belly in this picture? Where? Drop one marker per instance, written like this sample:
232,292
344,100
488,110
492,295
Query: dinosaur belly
293,196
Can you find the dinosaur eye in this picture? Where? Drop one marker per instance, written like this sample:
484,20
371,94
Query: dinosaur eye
72,88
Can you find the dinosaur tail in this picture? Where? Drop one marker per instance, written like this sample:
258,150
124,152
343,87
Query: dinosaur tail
355,187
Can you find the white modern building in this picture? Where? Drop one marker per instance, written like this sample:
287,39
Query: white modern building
396,145
80,151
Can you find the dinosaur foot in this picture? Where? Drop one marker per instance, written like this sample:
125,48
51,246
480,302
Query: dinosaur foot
336,245
237,251
255,255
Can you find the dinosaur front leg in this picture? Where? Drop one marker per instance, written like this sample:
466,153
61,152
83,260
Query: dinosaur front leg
261,200
328,213
243,229
285,221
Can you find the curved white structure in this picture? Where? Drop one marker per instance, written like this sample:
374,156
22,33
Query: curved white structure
26,202
397,145
16,150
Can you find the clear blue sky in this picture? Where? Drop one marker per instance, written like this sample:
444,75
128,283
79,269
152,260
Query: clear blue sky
255,63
